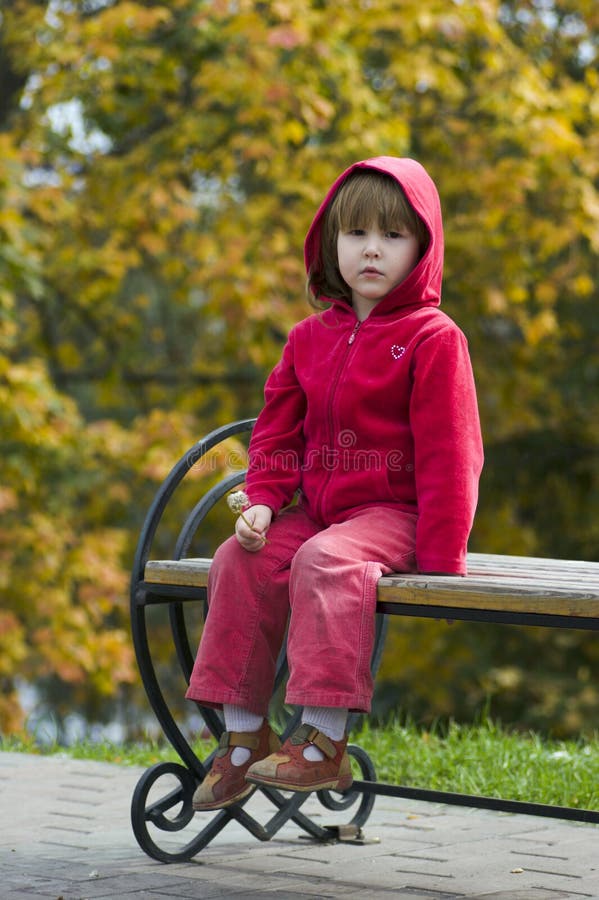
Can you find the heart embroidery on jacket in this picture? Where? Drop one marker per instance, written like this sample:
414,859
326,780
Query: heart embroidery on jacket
397,352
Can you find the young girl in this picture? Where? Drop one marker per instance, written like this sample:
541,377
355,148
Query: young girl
370,417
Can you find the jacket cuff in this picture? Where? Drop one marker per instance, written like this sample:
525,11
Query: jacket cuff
445,566
265,500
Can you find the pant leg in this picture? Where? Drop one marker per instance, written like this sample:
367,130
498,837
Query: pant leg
248,597
332,588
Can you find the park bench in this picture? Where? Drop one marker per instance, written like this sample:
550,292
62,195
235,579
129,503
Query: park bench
498,589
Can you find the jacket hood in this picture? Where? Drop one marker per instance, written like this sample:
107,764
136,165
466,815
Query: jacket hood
422,287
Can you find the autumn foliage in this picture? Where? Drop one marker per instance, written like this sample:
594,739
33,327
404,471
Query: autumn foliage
160,163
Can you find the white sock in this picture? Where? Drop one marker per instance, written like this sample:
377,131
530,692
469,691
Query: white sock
239,719
330,720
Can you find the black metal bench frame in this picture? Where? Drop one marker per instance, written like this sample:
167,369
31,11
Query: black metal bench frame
173,812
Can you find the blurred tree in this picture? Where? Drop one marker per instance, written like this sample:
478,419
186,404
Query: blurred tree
161,163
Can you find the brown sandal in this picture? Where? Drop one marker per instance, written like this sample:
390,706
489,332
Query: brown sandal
289,770
225,783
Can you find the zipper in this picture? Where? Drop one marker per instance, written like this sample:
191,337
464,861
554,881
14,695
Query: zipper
352,336
331,423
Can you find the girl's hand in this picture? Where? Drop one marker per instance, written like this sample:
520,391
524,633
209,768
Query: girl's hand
251,527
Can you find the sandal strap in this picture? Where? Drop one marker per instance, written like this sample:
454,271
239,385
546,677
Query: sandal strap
308,734
248,739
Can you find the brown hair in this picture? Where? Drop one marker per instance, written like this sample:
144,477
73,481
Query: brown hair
364,195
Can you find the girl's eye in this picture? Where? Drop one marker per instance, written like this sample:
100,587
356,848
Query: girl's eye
360,232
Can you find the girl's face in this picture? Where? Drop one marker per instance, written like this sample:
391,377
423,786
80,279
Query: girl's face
373,262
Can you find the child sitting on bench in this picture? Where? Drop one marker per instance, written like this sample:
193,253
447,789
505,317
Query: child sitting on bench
370,417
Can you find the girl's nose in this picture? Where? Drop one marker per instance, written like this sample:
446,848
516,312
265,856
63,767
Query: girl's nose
371,247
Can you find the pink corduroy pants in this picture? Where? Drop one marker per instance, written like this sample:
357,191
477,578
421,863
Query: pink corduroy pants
323,582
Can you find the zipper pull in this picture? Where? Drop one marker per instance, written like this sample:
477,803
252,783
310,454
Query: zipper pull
352,336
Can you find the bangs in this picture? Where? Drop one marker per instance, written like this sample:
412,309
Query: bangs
365,193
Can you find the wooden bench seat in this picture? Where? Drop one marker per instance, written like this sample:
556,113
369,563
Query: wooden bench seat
512,585
513,590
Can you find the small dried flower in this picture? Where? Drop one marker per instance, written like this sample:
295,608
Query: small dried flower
238,501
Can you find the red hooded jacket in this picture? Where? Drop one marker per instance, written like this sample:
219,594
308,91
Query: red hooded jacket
379,412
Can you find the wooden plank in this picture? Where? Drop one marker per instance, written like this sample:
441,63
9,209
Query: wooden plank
553,575
495,583
189,572
507,595
557,578
591,581
528,562
562,568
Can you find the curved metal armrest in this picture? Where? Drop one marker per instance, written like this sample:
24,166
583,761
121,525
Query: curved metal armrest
169,486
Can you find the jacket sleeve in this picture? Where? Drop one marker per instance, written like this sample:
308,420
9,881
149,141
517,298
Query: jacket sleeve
448,452
276,449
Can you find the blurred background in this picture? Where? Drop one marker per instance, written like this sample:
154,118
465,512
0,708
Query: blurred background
159,166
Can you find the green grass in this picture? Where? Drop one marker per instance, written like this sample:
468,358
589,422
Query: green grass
487,760
472,759
144,753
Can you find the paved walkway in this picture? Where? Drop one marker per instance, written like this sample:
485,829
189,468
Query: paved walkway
65,834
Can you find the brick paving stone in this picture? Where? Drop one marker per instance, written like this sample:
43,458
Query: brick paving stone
530,894
65,832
